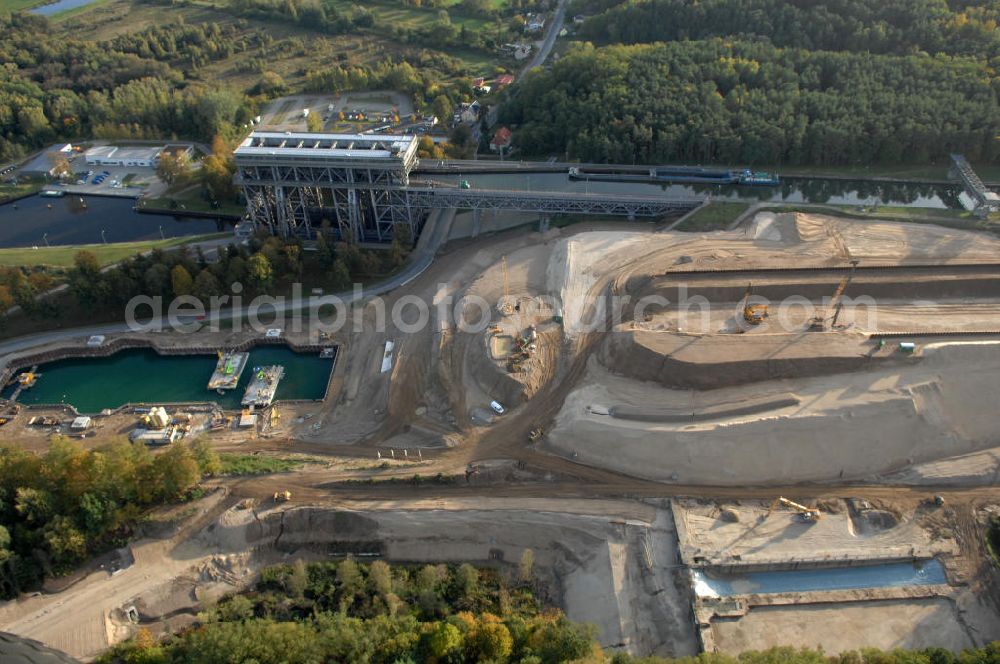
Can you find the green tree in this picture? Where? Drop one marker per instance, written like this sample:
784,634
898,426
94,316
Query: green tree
177,472
156,279
85,278
271,85
34,505
467,582
491,639
380,578
314,123
340,277
217,170
65,543
298,580
349,582
260,272
181,282
445,640
173,168
206,286
206,457
527,566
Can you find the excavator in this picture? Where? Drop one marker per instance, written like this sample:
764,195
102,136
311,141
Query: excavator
755,314
818,323
807,514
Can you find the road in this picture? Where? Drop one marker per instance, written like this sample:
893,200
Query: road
550,39
434,235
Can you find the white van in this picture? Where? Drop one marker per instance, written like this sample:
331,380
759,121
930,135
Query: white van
497,407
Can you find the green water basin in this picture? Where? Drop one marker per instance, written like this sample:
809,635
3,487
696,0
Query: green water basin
141,375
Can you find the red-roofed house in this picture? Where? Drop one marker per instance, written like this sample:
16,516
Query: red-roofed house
503,80
501,140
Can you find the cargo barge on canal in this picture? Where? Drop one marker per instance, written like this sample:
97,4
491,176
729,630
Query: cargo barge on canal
228,371
677,174
263,386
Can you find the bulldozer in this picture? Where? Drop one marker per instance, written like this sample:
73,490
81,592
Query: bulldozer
282,496
807,514
754,314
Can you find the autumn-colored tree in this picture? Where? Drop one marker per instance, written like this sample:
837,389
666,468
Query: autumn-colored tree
181,282
217,170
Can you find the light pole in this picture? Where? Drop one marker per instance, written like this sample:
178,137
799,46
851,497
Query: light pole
104,239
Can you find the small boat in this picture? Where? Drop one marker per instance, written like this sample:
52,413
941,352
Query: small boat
27,379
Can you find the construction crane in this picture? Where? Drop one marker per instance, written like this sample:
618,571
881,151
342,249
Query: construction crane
836,303
808,514
753,313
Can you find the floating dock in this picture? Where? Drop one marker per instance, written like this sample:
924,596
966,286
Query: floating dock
263,385
228,371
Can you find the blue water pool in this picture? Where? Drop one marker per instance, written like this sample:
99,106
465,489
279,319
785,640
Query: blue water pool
890,575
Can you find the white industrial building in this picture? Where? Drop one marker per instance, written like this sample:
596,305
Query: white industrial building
111,155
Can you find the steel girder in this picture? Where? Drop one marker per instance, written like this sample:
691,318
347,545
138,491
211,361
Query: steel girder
554,202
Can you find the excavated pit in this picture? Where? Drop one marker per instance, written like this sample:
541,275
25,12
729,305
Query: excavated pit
715,361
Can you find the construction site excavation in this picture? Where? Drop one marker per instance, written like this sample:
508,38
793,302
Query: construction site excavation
779,434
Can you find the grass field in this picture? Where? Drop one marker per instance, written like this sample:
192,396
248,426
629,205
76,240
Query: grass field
713,217
259,464
190,200
9,191
10,6
106,253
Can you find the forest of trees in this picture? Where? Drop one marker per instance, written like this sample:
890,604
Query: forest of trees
878,26
134,86
728,101
267,265
148,83
62,506
349,612
448,614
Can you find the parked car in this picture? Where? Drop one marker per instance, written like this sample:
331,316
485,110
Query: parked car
497,407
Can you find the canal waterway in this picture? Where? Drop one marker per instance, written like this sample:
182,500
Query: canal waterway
791,190
60,6
142,375
71,220
890,575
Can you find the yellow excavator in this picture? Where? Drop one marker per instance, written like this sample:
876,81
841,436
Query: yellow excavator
755,314
808,514
818,322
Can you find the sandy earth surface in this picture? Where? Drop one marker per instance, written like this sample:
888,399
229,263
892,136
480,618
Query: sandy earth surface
760,536
614,406
850,425
837,627
615,573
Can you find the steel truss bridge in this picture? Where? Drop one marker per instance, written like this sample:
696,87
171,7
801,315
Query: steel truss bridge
359,185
